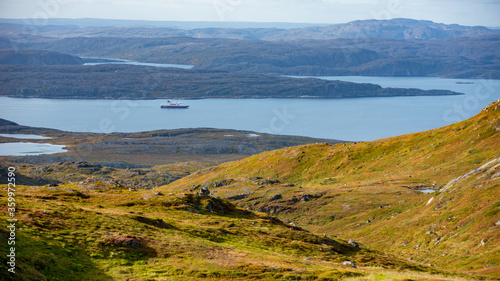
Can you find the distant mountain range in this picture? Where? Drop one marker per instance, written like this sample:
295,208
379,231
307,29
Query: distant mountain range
96,22
239,62
390,29
476,57
398,47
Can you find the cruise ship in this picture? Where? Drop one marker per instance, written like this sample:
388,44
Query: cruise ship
170,104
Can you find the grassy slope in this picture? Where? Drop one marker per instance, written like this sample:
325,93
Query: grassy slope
359,190
103,232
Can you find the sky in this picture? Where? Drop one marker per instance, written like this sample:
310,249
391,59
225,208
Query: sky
464,12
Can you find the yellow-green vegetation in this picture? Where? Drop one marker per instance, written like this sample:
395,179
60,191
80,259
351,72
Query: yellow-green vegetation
69,232
369,191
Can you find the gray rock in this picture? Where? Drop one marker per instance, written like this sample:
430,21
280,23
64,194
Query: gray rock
352,243
305,198
238,197
205,191
222,183
276,197
269,181
349,263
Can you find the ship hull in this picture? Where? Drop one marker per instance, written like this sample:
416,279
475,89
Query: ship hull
174,106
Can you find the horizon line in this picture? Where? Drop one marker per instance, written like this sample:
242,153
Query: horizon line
244,22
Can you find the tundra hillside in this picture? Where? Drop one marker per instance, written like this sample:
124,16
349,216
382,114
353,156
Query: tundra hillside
370,192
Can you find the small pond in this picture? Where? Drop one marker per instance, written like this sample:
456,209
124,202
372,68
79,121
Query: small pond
28,148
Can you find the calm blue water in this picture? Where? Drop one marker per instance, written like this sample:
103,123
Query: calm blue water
25,136
28,148
120,61
344,119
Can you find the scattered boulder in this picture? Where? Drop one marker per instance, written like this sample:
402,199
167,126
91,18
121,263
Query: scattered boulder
352,243
238,197
305,198
222,183
217,205
268,181
349,263
205,191
273,209
215,184
276,197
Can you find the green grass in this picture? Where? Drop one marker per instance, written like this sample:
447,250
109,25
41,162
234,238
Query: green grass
177,236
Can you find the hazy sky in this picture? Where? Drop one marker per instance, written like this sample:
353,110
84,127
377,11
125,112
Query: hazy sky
465,12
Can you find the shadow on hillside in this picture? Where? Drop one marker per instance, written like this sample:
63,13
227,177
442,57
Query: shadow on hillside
39,259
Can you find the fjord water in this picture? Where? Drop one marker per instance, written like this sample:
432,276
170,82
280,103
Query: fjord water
345,119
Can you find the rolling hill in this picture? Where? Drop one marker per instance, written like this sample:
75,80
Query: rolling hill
104,232
145,82
398,47
400,29
369,192
21,57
